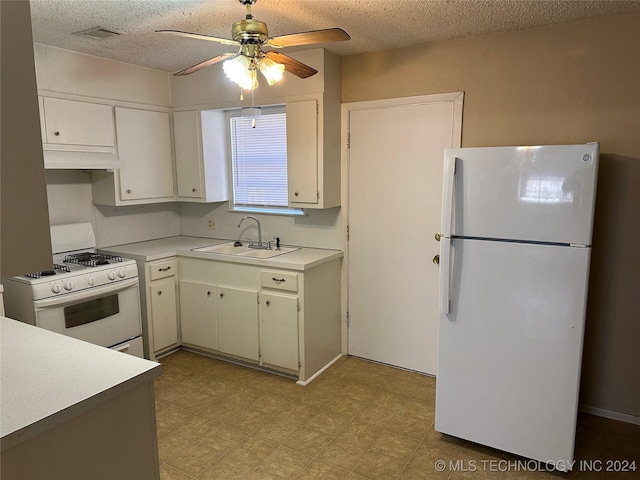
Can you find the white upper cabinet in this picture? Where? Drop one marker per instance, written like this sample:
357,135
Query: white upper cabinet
302,152
68,122
313,152
77,134
201,149
146,162
144,148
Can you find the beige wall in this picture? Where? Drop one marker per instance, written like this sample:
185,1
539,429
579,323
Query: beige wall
572,83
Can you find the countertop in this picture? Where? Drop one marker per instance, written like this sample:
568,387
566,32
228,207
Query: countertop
48,378
302,259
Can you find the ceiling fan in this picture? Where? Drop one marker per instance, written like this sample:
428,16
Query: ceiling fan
250,36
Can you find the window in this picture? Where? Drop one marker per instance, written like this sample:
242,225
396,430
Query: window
259,160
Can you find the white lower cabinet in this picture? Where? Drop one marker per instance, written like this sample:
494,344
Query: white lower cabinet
198,314
279,319
238,322
162,298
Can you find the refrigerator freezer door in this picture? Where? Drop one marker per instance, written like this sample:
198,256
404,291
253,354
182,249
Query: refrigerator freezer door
510,349
544,194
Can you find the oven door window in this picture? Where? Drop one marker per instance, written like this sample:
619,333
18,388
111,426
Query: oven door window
90,311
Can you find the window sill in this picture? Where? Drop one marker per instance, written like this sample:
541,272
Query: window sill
291,212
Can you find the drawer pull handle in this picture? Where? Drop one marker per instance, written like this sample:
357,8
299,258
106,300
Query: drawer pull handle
278,280
164,269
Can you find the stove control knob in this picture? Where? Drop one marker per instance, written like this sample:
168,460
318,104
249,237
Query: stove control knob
68,286
55,288
111,275
122,273
92,281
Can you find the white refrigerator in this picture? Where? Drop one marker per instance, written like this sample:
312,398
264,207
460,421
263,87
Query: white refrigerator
514,267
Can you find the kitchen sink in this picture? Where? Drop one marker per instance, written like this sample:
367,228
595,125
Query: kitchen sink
229,249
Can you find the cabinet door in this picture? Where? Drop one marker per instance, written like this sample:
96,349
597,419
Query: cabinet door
279,330
144,149
302,152
78,123
198,322
189,166
238,322
162,299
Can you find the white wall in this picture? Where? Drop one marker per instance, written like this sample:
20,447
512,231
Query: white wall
319,228
69,194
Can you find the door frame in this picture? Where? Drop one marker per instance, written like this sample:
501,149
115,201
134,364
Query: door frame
455,98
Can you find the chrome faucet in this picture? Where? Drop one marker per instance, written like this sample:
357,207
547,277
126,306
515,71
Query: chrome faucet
252,244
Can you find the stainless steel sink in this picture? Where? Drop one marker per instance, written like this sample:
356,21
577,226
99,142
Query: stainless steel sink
229,249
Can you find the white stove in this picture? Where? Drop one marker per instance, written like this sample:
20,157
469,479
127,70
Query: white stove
88,295
82,270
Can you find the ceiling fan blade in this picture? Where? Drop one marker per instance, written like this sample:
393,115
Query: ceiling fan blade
200,36
291,65
206,63
308,38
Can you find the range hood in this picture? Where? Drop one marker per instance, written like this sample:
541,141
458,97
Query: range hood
79,159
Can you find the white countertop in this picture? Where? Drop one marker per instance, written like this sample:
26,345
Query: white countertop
47,378
302,259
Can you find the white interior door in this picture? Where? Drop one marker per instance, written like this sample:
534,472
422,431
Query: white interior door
395,163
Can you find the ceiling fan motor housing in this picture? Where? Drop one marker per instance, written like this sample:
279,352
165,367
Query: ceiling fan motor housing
249,31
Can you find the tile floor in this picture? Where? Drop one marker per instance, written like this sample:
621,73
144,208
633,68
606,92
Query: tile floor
359,420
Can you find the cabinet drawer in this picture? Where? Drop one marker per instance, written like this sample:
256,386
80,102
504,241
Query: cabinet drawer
162,269
279,280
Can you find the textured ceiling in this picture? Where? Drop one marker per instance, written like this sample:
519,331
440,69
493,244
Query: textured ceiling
372,24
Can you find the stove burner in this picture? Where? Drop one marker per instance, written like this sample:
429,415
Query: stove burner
46,273
91,259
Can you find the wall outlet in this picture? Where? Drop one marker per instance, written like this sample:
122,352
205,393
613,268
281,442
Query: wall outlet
211,223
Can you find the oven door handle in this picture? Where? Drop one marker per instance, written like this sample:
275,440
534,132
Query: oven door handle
86,294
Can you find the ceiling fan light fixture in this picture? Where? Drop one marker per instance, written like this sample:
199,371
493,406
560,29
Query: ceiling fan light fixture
271,70
241,72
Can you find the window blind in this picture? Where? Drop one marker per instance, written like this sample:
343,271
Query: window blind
259,160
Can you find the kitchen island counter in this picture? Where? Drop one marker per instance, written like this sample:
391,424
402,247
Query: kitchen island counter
55,387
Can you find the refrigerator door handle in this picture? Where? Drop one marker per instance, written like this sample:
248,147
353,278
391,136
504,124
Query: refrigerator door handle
445,275
447,195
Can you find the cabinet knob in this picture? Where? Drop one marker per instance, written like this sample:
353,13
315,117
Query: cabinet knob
296,194
128,190
268,303
438,236
193,189
436,259
221,295
57,134
159,292
208,294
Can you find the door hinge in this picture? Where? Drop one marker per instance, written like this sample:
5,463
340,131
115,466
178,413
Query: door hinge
347,233
347,319
349,140
299,363
318,195
298,303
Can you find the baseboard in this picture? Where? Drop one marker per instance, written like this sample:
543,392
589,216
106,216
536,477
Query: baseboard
319,372
601,412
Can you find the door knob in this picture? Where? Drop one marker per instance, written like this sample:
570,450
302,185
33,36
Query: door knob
438,236
436,259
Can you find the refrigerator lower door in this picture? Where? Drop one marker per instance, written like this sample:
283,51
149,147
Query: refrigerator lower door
510,347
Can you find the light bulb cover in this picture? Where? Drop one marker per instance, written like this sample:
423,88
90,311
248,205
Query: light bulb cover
240,70
271,70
